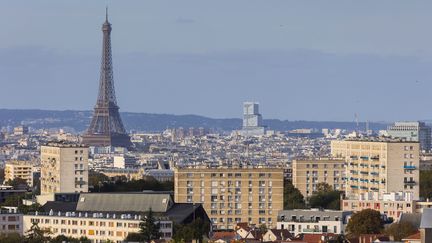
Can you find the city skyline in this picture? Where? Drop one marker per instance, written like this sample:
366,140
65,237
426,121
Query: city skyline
295,68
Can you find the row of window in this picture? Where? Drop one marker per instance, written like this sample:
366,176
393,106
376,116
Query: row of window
230,175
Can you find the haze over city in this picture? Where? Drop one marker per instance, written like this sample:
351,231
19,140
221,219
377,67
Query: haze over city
300,60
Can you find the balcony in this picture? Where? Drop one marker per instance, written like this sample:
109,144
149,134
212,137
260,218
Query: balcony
410,182
409,167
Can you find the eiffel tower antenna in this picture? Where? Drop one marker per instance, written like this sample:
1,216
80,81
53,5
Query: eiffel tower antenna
106,127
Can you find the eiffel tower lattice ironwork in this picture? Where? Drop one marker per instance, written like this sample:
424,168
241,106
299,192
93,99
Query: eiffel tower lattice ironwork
106,127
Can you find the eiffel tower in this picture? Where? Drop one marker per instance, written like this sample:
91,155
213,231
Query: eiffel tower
106,127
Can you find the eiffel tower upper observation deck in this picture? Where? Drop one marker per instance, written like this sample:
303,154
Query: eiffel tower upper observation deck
106,127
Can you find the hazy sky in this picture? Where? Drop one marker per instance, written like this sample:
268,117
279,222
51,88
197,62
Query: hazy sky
308,60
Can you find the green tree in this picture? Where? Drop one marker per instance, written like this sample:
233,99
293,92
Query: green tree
325,197
426,184
400,230
149,228
14,200
2,175
293,199
32,208
17,182
63,238
11,238
182,233
367,221
192,231
262,229
135,237
324,187
122,185
36,234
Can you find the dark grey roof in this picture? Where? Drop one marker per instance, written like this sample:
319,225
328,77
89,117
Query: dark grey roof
124,202
59,206
180,211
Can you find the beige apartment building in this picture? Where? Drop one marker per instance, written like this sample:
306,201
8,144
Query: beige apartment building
232,195
19,169
375,167
64,168
307,173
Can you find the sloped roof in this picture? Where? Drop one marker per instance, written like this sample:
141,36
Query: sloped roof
180,211
415,236
282,234
223,235
315,238
124,202
413,218
59,206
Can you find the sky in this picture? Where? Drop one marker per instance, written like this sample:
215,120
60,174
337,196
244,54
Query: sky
301,60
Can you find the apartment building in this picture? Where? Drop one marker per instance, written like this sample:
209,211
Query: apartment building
313,221
393,205
112,216
379,166
64,167
231,195
19,169
98,227
10,221
412,131
307,173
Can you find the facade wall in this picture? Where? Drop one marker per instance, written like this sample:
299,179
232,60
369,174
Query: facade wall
96,229
232,195
379,167
320,227
11,223
308,173
412,131
313,221
64,169
19,169
392,209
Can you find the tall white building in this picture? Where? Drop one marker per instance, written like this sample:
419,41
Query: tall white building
252,120
412,131
64,168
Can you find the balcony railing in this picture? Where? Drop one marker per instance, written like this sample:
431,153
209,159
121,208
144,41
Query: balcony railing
409,167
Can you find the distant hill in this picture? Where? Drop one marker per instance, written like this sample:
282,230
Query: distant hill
79,120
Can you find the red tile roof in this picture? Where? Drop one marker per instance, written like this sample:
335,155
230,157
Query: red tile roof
415,236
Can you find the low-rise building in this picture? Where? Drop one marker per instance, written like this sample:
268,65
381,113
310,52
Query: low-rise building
10,221
393,205
112,216
98,227
313,221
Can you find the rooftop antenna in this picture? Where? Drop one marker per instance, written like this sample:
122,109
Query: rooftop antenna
367,127
106,13
357,122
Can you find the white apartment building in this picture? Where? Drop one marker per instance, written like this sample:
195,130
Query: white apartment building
313,221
